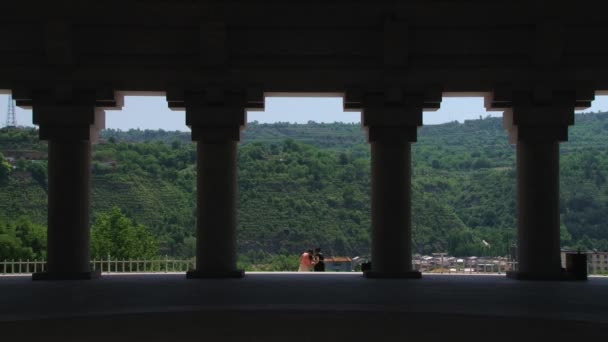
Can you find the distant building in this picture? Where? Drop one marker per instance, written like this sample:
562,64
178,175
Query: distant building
338,264
446,263
597,262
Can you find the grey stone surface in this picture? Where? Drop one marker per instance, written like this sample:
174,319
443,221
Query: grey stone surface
22,299
302,307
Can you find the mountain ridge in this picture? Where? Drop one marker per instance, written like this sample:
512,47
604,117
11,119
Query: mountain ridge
305,185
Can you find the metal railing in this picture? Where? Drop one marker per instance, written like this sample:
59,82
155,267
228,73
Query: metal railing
22,267
169,265
107,265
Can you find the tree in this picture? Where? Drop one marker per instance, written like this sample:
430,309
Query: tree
565,236
38,170
464,242
11,247
282,263
5,168
32,236
113,233
188,248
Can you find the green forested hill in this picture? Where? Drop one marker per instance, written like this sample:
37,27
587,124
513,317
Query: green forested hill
305,185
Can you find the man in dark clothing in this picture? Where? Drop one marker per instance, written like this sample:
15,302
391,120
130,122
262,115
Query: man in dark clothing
318,260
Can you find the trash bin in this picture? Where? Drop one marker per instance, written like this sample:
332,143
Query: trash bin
576,265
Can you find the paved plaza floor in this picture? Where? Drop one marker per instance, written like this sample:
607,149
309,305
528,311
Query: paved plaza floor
275,306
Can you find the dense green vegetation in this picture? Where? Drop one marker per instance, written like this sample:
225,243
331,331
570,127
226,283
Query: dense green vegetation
22,239
114,234
308,185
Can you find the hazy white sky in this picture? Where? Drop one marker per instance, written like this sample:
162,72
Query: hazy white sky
152,112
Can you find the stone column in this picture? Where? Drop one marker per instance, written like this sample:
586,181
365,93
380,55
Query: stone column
391,209
391,122
69,192
216,209
537,122
538,232
69,127
216,122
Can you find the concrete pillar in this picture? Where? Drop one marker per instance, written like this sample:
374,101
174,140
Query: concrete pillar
69,129
538,224
216,118
216,210
537,121
391,209
391,120
69,190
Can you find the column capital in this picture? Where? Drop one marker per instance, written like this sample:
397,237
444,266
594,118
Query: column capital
578,96
541,113
216,114
393,114
67,113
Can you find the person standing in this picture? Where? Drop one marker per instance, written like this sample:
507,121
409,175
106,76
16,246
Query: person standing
306,261
319,260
